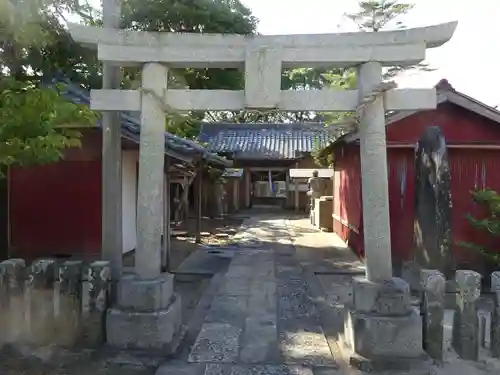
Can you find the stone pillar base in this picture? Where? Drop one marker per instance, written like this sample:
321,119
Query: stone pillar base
147,315
381,329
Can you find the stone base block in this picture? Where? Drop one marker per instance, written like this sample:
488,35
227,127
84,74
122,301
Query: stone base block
155,330
145,295
389,298
378,337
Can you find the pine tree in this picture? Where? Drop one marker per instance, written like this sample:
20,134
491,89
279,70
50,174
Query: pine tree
377,15
489,223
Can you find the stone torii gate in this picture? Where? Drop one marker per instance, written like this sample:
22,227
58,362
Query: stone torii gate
381,302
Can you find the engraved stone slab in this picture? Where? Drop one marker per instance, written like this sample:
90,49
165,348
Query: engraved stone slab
216,342
432,221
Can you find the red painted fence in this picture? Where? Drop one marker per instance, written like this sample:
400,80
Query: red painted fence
470,169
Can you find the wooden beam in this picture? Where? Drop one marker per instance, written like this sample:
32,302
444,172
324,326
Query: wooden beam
290,101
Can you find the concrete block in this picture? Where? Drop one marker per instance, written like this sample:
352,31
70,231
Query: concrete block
155,330
145,295
390,298
375,336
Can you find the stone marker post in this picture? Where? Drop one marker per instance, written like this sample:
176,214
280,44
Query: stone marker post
69,312
112,227
97,277
432,310
381,326
495,318
375,191
148,314
151,173
12,278
42,274
465,339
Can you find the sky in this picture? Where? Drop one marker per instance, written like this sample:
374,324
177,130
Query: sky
469,61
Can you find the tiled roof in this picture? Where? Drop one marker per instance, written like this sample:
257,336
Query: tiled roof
265,141
175,146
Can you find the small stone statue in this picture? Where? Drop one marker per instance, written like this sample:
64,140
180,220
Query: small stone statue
316,188
220,197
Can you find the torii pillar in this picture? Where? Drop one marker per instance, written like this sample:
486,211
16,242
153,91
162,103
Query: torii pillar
148,314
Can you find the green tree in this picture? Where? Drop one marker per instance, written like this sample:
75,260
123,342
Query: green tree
490,223
377,15
35,121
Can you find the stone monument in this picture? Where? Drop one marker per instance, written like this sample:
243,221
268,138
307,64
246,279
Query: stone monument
381,311
432,215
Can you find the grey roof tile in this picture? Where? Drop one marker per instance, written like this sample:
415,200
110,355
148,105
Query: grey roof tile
265,141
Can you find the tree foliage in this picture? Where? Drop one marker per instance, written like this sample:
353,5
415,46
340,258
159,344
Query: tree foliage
34,118
378,15
490,200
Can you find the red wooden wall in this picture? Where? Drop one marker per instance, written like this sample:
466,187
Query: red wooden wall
470,168
55,209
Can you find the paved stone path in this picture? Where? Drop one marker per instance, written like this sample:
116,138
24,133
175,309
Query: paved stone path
262,319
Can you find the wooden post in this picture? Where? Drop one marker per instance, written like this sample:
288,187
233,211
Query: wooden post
177,202
248,187
296,182
237,203
287,186
235,194
197,198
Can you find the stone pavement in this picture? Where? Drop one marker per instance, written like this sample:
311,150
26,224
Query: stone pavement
262,319
279,306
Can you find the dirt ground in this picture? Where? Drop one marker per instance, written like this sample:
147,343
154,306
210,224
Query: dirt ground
213,231
21,360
